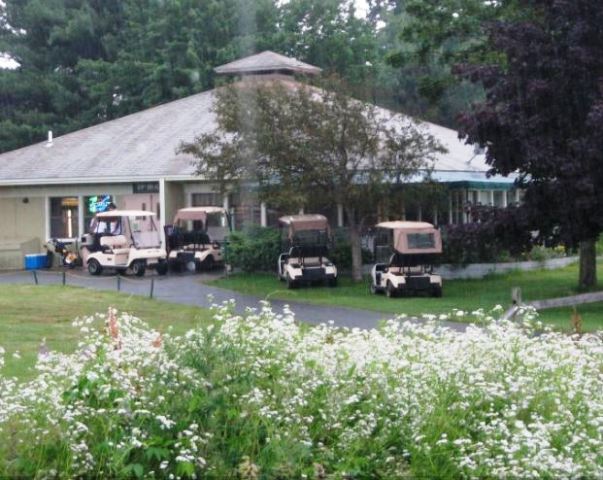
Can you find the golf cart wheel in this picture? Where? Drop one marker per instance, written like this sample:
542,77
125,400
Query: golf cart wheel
390,291
174,266
291,284
138,268
161,268
373,289
436,291
94,267
332,282
208,263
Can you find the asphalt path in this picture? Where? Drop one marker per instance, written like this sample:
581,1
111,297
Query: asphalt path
191,289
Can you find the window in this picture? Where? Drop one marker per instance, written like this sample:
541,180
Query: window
420,240
207,200
64,217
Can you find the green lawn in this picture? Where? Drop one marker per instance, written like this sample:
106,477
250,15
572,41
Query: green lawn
461,294
30,313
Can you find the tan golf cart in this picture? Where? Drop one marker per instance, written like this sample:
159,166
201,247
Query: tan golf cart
306,240
196,237
123,240
411,249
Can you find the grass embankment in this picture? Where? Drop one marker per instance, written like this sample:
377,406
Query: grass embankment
29,314
461,294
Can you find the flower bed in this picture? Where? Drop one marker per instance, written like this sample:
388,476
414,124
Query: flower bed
261,396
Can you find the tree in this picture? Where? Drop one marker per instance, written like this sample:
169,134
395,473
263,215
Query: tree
328,34
543,116
48,38
82,62
423,39
301,144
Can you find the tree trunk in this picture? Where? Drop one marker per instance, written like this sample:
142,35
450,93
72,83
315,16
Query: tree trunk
356,252
588,265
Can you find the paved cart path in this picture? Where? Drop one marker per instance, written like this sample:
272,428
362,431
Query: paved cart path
189,289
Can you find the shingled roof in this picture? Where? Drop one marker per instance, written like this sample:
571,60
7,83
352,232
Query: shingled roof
139,146
267,62
143,146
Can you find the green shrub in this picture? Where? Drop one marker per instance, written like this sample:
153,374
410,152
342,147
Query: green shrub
255,249
341,251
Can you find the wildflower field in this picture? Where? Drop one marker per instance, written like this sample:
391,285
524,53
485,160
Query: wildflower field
259,396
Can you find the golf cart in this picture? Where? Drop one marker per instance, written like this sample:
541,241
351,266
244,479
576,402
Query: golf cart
306,239
190,245
123,240
412,249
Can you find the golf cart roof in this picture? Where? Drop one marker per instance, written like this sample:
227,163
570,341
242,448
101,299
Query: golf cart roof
196,213
407,235
125,213
305,222
404,225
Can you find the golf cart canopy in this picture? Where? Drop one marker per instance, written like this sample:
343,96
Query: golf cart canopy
298,223
197,213
124,213
414,238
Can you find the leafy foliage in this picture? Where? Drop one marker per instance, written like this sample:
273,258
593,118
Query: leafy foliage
425,39
542,115
492,233
255,249
340,253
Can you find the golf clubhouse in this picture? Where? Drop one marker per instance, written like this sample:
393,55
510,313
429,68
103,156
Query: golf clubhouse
53,189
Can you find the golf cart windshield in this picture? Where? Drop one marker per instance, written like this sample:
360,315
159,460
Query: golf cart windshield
413,243
144,232
307,234
420,241
212,221
310,238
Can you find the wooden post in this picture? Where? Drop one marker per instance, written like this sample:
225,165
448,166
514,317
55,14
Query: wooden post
516,295
152,287
263,215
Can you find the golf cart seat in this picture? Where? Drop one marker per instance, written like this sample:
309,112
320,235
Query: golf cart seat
116,244
307,261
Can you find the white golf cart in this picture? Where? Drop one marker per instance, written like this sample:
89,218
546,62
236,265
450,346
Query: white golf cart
124,240
306,238
412,249
196,237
